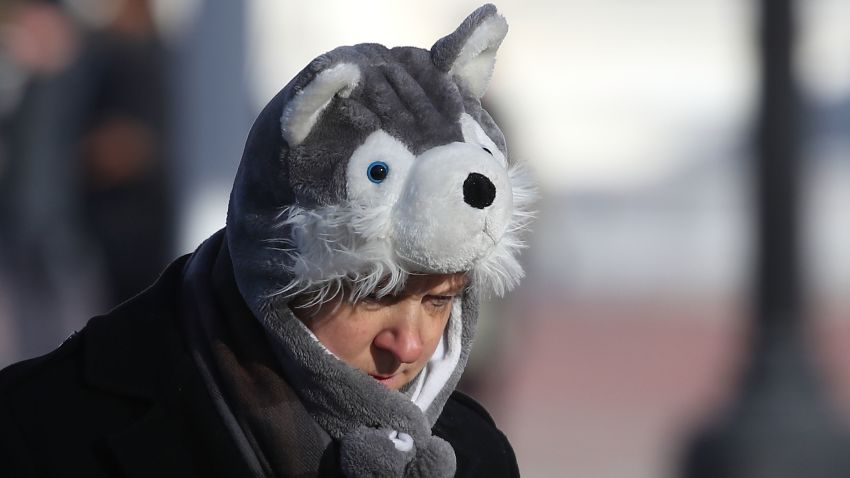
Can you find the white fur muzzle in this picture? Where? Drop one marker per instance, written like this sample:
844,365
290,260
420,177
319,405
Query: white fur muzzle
418,223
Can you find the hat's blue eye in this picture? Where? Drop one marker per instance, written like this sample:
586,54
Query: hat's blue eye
377,171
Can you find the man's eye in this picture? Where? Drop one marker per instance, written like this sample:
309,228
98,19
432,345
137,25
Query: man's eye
374,299
370,301
440,300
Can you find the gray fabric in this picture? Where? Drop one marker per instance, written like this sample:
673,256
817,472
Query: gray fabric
275,433
400,92
345,400
408,93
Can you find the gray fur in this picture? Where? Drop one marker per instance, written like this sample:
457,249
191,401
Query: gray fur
408,93
435,457
272,176
328,384
333,392
446,50
368,452
479,114
401,92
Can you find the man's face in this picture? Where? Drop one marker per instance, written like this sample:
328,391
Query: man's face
391,338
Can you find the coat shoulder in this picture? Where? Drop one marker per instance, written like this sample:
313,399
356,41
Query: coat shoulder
125,341
481,448
19,374
22,385
57,410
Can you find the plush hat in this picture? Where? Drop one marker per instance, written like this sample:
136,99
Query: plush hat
370,165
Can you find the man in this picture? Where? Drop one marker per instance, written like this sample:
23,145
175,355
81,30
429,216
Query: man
323,331
390,338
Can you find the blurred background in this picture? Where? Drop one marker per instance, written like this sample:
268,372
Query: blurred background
122,125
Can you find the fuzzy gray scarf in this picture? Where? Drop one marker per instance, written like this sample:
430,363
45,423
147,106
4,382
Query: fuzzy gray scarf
274,432
293,408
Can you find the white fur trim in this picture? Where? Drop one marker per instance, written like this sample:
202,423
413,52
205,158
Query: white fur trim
499,271
474,64
434,229
346,246
378,146
334,247
302,111
414,221
443,363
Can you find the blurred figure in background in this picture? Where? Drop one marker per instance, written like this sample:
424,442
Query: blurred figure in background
125,191
43,252
84,199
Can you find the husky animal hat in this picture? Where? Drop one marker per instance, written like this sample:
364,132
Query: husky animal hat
370,165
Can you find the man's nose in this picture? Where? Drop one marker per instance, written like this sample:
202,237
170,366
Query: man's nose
402,339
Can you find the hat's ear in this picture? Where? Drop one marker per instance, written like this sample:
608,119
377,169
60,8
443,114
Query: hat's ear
302,111
470,51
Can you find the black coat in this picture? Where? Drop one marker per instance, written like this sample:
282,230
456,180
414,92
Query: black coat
123,398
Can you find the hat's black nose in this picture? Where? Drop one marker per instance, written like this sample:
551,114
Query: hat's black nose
478,191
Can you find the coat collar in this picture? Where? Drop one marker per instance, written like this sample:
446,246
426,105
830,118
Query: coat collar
137,352
181,434
130,350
